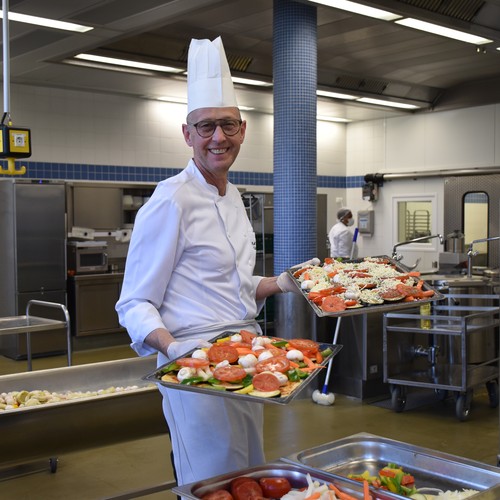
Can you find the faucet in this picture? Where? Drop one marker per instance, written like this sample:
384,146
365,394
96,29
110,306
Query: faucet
471,253
397,257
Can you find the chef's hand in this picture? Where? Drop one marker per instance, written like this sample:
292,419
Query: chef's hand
177,349
285,282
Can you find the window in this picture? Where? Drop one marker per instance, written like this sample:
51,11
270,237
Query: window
475,211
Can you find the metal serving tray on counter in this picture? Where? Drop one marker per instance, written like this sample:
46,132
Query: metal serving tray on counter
431,469
156,375
370,308
296,475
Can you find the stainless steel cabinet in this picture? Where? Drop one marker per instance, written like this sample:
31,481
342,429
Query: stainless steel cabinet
91,301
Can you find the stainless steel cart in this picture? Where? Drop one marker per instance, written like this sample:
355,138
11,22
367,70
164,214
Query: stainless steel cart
430,350
29,324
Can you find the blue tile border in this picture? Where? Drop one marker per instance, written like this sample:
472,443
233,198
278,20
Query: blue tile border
84,172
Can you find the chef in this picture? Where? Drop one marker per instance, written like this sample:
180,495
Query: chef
340,237
189,275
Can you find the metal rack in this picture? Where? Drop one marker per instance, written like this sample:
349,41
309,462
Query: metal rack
431,350
29,324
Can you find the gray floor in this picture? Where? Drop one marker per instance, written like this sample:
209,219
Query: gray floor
127,469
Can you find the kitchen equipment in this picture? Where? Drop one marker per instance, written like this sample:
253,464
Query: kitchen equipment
156,376
87,257
32,257
431,469
455,242
296,475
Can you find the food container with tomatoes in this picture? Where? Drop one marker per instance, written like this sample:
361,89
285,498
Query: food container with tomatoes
380,460
338,287
276,480
247,366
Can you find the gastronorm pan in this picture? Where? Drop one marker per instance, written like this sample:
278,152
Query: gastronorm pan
156,376
370,308
431,469
296,474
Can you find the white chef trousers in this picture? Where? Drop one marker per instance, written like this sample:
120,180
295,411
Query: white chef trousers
212,435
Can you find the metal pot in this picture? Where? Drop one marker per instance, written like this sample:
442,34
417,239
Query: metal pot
455,242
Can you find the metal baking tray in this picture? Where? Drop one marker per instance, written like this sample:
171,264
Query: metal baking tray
369,308
155,376
431,469
296,474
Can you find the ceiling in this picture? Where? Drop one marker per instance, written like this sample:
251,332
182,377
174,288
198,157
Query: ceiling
355,53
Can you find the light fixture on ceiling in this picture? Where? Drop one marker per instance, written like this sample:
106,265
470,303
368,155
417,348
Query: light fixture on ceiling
443,31
381,102
130,64
335,95
48,23
333,119
357,8
251,81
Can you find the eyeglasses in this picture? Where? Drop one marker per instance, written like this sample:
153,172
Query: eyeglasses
206,128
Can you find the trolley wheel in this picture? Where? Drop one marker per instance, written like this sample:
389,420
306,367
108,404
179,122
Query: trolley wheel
53,461
492,387
398,398
442,394
463,405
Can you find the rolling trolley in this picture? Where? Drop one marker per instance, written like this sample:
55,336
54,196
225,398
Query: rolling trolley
432,350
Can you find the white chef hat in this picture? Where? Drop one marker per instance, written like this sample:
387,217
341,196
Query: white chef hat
209,77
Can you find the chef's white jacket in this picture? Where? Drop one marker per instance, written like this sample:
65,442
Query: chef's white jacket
190,261
340,241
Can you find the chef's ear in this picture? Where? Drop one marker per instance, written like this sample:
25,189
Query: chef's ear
187,134
243,130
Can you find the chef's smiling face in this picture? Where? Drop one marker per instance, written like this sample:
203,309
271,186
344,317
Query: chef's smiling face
215,153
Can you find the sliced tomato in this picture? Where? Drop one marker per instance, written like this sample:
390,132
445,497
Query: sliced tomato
247,336
192,362
230,373
275,487
265,382
222,352
304,345
274,364
218,495
275,351
392,295
333,304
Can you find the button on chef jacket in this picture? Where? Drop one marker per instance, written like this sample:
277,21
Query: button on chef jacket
190,261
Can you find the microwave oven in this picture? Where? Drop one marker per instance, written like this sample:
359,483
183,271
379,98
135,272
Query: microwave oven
86,257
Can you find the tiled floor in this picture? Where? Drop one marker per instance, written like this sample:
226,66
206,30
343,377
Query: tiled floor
119,470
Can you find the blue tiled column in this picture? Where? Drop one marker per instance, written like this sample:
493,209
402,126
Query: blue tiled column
295,180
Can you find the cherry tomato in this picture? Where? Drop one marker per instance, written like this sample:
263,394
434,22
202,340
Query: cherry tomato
236,481
275,487
265,382
247,490
222,352
274,364
192,362
333,304
218,495
230,373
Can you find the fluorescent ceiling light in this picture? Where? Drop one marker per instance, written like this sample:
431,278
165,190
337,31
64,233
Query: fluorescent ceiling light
130,64
49,23
334,95
249,81
357,8
333,119
442,31
380,102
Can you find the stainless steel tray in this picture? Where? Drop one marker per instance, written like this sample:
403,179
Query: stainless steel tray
369,308
155,376
296,474
431,469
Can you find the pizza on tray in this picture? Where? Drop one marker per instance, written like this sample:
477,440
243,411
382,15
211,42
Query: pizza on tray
337,285
248,364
